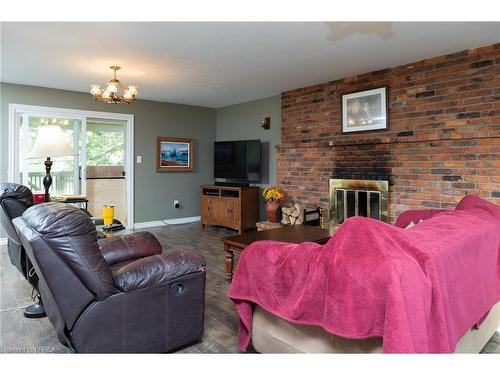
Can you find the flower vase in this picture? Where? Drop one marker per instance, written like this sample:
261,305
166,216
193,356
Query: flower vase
272,211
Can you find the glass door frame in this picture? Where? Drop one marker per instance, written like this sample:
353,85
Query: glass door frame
16,111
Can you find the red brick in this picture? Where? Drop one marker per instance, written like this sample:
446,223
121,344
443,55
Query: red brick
456,129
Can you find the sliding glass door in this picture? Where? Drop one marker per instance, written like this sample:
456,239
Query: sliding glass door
65,170
100,166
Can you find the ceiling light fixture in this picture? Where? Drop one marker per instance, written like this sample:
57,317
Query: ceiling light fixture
111,94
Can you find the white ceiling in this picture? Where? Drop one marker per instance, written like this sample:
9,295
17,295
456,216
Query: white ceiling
218,64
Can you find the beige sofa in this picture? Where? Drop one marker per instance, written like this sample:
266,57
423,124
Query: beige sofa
271,334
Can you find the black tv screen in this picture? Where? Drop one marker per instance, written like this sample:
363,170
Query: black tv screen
237,160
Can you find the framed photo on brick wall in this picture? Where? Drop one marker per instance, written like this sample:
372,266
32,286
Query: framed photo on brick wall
365,111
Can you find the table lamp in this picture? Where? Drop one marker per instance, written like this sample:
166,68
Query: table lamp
50,142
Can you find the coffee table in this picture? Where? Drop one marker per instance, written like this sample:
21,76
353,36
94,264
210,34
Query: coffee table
290,234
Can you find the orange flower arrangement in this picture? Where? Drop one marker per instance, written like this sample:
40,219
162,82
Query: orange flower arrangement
273,193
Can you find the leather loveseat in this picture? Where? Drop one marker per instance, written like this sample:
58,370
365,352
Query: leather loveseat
117,295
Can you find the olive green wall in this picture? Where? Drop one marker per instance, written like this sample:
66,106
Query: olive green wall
243,121
154,191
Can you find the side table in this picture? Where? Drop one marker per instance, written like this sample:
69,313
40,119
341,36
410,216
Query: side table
290,234
83,201
103,233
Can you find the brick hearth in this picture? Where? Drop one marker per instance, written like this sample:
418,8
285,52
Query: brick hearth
443,139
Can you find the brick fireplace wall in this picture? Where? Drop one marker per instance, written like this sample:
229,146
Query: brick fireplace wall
443,140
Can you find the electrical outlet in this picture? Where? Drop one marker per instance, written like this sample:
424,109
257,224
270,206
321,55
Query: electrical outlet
176,203
138,159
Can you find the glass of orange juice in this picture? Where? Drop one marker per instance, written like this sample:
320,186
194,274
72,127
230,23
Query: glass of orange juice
108,212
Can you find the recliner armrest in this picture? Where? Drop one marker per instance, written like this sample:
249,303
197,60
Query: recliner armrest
129,246
157,269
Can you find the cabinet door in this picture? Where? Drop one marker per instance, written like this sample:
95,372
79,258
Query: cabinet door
225,212
233,213
206,217
219,211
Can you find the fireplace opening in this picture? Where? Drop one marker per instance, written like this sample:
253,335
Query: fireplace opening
353,197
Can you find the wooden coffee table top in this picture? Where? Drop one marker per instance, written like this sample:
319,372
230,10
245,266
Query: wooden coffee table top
290,234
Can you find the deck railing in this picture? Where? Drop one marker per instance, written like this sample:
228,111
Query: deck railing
62,182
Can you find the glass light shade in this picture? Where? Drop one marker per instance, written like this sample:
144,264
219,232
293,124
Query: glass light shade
50,142
112,87
132,89
127,95
95,90
106,94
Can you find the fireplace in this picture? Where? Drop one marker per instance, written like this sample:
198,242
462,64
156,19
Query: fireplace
353,197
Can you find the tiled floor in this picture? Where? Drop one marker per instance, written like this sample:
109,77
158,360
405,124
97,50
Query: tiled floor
18,334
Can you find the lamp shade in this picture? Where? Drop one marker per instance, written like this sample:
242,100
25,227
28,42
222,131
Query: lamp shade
50,142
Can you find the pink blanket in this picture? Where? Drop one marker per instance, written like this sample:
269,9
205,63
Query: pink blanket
420,289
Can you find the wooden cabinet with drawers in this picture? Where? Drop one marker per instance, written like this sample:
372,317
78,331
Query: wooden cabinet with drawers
230,207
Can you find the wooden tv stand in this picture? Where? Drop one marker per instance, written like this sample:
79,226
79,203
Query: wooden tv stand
230,207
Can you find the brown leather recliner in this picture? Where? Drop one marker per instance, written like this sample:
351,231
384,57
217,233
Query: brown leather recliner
14,200
116,295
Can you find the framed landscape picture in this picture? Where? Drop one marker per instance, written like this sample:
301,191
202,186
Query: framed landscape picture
174,154
365,111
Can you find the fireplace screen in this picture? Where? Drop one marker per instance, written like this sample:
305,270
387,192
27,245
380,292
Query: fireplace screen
368,198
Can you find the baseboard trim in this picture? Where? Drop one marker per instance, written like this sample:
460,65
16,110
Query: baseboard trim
148,224
159,223
3,241
182,220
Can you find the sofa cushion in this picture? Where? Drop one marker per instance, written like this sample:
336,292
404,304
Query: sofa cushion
415,216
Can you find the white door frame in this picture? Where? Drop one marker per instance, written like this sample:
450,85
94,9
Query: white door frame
15,110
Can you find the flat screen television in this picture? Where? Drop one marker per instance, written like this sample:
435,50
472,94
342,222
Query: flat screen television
237,161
